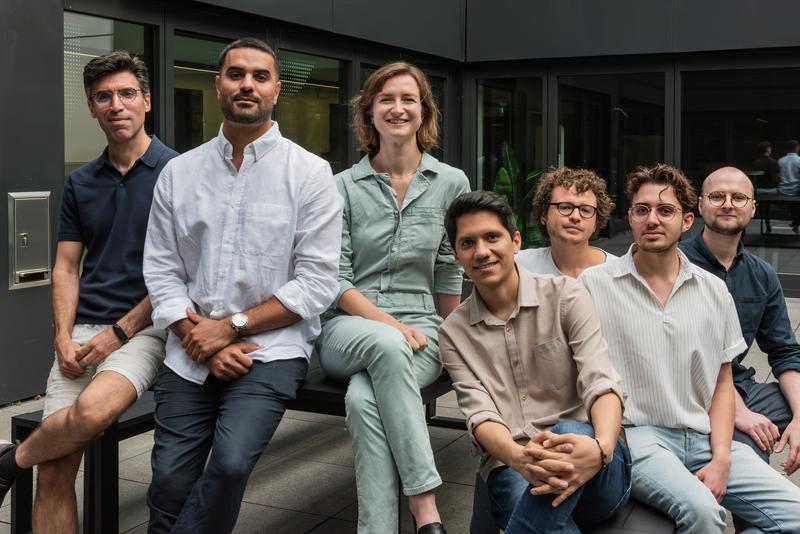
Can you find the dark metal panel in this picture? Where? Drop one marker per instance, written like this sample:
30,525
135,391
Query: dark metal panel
313,13
510,29
422,25
735,24
31,159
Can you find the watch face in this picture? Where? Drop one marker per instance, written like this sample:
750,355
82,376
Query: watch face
239,320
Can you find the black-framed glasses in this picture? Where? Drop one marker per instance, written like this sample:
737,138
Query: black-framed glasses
718,198
126,96
566,208
664,212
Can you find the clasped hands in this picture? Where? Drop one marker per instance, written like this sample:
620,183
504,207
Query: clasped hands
558,463
211,342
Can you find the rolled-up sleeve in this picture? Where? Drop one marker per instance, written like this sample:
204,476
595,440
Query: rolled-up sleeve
316,247
474,400
596,373
775,335
447,275
733,340
164,271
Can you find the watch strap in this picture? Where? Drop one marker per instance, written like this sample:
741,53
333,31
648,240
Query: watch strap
120,333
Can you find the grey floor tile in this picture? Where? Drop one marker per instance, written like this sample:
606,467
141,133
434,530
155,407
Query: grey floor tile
445,433
135,446
455,462
350,513
257,519
335,526
315,417
132,504
5,528
304,486
136,469
294,435
454,502
334,447
138,529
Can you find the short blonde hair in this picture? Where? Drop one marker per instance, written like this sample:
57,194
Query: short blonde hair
366,134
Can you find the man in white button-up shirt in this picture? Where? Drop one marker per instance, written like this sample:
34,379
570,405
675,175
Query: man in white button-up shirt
672,332
241,257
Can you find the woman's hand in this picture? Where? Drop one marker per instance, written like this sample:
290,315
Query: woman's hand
415,339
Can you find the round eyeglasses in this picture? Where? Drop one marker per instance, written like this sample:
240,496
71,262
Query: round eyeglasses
567,208
664,212
126,96
718,198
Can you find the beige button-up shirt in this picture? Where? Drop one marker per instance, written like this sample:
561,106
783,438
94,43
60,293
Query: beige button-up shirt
547,362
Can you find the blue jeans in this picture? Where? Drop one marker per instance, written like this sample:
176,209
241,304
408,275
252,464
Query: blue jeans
234,420
665,464
515,510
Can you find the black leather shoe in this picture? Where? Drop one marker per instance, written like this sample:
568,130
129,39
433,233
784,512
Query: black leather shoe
6,479
432,528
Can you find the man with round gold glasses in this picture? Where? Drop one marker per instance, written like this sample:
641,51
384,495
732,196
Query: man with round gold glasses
764,417
571,206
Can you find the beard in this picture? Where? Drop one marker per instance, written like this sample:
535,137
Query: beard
725,230
250,116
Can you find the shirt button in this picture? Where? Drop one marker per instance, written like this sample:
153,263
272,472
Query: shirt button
515,363
508,328
524,397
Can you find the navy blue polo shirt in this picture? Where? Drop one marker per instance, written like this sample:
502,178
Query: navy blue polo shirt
108,213
757,293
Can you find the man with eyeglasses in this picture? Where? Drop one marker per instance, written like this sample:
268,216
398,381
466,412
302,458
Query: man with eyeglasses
764,412
106,351
571,206
672,332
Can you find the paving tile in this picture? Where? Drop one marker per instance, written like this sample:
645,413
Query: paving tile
334,447
350,513
5,528
139,529
294,435
456,463
335,526
449,400
136,469
454,502
315,417
255,518
304,486
132,504
445,433
135,446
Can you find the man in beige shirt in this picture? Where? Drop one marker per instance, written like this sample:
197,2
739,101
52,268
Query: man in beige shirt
531,369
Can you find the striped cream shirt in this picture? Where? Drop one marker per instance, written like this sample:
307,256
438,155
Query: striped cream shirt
669,356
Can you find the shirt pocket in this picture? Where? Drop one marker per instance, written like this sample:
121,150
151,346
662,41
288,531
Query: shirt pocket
266,230
423,228
555,366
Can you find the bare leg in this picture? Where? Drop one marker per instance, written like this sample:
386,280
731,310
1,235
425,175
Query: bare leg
71,429
55,508
423,508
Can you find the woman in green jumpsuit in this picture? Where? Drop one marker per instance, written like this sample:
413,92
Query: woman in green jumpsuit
398,278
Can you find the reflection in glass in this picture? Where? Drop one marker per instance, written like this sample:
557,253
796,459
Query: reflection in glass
312,108
509,145
726,116
197,113
611,124
87,37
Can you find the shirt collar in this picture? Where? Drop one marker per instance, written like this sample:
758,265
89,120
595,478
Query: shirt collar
526,298
429,166
149,158
259,148
700,245
625,266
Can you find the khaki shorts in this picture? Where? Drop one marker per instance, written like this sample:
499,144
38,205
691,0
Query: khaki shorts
138,361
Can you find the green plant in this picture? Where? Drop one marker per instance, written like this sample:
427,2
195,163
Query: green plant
506,185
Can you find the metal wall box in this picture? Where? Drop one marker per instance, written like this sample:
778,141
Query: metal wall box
28,239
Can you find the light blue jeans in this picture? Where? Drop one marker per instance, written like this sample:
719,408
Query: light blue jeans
384,409
665,461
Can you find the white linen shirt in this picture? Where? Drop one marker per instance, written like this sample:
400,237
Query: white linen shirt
222,241
540,260
669,356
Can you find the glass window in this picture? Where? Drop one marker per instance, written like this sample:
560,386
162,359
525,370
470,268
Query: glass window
611,124
509,145
197,112
726,116
86,37
312,108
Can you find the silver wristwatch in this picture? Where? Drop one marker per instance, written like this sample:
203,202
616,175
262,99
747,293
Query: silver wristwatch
239,322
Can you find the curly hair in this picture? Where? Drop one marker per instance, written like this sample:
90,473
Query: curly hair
667,175
582,180
366,134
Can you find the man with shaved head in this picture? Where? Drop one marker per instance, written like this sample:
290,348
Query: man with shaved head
767,415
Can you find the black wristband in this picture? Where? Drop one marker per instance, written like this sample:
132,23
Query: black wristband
603,456
120,333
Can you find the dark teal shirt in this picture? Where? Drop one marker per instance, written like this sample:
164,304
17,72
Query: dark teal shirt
761,307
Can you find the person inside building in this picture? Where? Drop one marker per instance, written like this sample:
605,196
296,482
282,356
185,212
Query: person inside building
767,166
789,183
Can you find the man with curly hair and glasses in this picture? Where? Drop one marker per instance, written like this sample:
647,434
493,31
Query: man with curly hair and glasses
571,206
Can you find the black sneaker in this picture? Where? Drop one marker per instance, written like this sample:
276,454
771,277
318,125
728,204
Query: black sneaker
6,479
